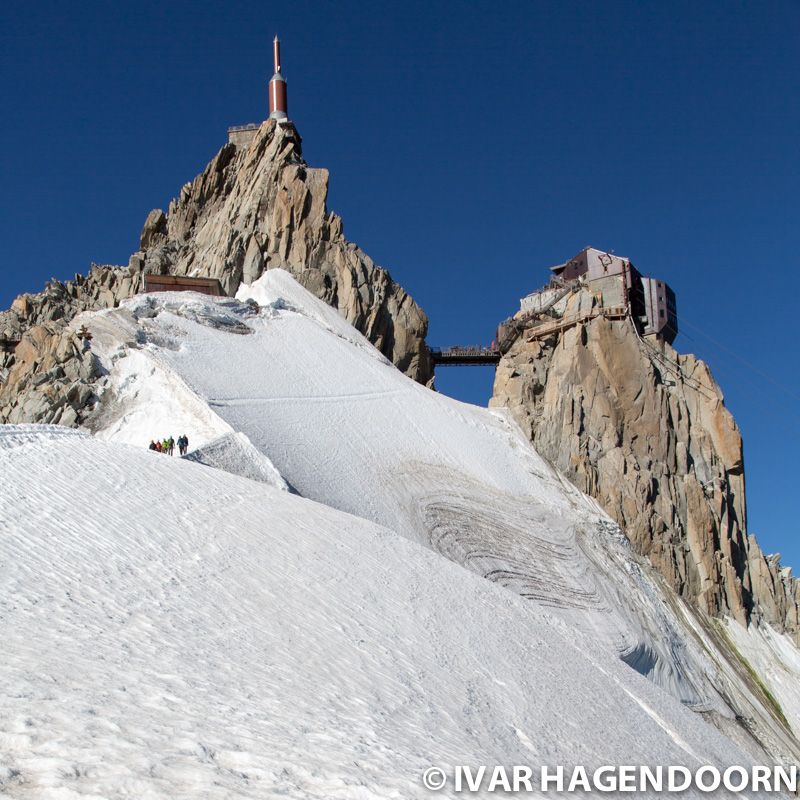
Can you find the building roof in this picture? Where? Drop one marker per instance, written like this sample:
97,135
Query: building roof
586,250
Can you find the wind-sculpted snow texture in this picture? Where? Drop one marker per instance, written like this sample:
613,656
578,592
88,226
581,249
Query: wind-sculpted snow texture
345,428
171,631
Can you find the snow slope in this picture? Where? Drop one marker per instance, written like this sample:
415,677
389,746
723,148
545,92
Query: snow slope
345,428
234,453
173,631
777,662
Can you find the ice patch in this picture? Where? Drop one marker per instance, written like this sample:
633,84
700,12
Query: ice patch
222,313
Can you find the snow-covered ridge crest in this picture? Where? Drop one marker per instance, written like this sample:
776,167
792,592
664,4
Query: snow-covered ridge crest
277,290
345,428
143,398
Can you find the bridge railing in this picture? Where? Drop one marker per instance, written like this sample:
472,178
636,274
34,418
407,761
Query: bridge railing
465,350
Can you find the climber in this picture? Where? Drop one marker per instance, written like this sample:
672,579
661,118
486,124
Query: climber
152,445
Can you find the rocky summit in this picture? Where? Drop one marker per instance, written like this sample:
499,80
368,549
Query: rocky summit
645,431
261,206
253,208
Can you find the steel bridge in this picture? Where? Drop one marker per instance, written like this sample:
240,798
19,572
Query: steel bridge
460,356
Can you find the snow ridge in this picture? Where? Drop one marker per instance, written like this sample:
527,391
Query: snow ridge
345,428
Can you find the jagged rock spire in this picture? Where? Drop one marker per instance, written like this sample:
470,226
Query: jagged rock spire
253,208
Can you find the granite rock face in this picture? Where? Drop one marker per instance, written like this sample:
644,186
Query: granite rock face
50,378
259,207
252,209
103,287
644,430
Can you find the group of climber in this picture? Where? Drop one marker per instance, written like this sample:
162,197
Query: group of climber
168,445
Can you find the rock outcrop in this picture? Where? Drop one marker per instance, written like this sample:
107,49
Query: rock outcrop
103,287
50,378
645,431
252,209
261,207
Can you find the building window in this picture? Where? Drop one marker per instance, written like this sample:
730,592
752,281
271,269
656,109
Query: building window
661,313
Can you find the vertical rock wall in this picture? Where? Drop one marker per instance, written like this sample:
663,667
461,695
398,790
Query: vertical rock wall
645,431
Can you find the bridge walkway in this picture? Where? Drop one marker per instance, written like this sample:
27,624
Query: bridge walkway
460,356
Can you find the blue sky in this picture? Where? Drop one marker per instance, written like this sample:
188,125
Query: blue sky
470,145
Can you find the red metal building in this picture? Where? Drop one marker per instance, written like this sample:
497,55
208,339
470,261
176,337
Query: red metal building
182,283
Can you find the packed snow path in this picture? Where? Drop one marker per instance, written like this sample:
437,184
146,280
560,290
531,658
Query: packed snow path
173,631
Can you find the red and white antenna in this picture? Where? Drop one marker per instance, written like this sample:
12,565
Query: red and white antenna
278,106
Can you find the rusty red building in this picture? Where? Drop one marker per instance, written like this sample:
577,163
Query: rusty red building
182,283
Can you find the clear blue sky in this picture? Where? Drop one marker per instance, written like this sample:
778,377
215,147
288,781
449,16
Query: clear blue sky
470,145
